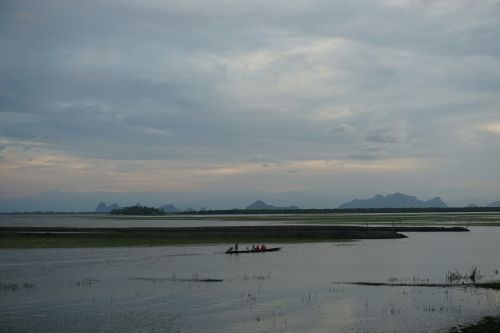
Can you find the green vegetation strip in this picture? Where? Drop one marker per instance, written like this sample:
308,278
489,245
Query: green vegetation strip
56,237
39,237
177,279
486,325
139,240
487,285
424,218
102,240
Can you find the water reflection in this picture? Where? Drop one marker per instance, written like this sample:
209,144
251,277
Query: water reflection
297,289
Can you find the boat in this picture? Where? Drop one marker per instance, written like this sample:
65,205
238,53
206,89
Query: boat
271,249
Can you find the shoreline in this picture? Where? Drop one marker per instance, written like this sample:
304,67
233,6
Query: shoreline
487,324
63,237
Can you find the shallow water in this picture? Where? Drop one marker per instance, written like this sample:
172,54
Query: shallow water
297,289
110,221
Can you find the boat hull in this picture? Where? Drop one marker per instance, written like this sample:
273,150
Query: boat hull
272,249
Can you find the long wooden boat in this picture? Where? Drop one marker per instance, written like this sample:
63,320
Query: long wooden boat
271,249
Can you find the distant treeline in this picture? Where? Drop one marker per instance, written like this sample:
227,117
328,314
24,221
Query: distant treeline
345,211
138,210
47,213
143,210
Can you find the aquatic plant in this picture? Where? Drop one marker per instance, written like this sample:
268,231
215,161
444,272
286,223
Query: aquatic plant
13,286
457,277
257,277
86,282
175,278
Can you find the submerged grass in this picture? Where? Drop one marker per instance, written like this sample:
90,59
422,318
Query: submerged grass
77,241
424,218
175,278
395,220
487,285
124,240
13,286
486,325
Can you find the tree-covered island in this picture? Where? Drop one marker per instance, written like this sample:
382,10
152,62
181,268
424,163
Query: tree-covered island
138,210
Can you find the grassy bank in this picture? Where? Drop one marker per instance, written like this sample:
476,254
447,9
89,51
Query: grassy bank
21,241
39,237
485,325
427,218
486,285
57,237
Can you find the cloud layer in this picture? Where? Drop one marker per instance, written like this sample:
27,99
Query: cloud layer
292,100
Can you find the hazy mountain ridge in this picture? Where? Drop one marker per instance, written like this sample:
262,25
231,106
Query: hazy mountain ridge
170,208
261,205
56,201
396,200
494,204
102,208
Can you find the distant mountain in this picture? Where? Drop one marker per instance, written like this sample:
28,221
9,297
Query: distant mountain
396,200
434,203
102,208
261,205
169,208
494,204
471,206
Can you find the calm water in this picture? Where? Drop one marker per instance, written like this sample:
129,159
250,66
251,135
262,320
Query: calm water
296,289
107,221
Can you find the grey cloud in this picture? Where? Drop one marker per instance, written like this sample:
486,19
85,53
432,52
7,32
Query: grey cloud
382,137
392,133
345,128
367,155
371,140
232,80
257,159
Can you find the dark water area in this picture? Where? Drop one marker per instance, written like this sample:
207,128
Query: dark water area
163,289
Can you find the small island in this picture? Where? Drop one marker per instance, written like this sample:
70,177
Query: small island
138,210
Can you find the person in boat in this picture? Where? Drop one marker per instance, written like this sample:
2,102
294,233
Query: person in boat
253,247
230,248
236,246
262,247
257,248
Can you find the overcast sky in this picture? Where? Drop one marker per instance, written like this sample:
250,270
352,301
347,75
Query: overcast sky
219,103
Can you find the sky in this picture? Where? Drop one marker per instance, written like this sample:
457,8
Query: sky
220,103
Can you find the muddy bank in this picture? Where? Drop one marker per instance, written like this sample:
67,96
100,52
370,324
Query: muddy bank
488,324
486,285
230,233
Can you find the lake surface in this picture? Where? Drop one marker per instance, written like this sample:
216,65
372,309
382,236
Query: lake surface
109,221
299,289
116,221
